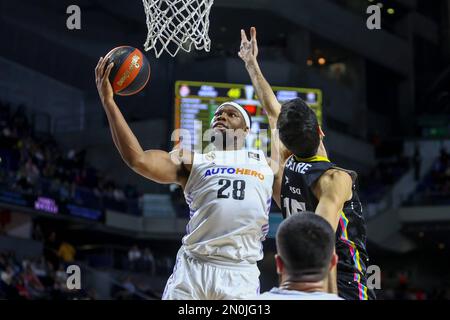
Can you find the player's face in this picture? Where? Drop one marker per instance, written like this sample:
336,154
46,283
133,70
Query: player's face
228,117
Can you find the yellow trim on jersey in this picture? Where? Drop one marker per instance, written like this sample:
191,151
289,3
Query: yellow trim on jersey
311,159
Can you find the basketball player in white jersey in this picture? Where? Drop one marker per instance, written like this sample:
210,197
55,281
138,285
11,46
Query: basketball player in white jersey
305,255
228,191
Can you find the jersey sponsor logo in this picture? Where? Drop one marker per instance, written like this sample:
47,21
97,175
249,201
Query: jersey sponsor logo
234,171
295,190
253,155
299,167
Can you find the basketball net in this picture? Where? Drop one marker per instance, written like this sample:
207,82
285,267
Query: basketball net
177,24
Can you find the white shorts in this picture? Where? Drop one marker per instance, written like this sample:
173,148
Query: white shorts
195,279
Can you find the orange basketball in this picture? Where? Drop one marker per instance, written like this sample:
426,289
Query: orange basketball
131,70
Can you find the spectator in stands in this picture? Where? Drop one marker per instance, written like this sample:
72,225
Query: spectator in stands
134,255
7,289
22,184
7,275
129,285
33,284
51,250
67,191
66,252
22,289
118,195
91,294
436,186
39,267
37,233
60,284
148,261
127,290
38,157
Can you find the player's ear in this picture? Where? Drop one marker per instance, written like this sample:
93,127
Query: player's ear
334,261
279,263
320,131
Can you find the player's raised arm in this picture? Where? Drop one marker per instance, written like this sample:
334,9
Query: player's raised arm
249,54
156,165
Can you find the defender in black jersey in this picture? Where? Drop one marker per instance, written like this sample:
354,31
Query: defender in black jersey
299,178
310,182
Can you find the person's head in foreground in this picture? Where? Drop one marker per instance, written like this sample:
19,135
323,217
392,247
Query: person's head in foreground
299,128
230,125
305,255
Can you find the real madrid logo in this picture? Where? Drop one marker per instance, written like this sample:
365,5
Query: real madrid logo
210,156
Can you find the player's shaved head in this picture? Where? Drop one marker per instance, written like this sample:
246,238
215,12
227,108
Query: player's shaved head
305,243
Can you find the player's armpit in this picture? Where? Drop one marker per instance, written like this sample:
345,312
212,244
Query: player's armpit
163,167
333,189
277,163
276,188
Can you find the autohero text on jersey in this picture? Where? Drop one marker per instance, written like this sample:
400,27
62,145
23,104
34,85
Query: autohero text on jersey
234,171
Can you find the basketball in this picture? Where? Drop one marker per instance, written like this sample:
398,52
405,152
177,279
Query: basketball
131,70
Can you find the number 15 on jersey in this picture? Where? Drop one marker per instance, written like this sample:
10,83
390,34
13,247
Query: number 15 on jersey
293,206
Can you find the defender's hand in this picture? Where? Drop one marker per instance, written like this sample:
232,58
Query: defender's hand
105,90
249,49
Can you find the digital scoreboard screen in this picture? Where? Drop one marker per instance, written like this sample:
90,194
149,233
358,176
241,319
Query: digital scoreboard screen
196,102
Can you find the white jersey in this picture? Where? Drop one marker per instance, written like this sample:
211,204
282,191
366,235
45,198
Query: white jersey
282,294
229,195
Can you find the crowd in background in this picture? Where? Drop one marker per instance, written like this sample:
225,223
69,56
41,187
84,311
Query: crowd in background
374,185
35,164
435,188
400,286
142,261
36,278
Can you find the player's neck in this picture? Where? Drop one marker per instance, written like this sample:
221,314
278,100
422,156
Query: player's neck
321,151
318,286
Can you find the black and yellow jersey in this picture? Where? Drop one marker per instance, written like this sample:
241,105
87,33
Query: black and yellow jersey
299,178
